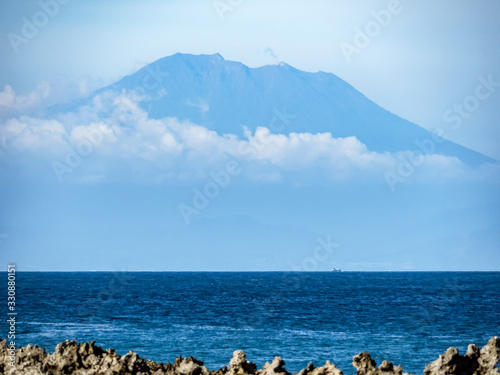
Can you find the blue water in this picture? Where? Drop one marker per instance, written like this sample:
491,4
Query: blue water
406,318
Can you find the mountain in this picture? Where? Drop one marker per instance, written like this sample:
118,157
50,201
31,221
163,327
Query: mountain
225,96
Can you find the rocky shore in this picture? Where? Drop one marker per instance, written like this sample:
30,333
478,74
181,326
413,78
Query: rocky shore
89,359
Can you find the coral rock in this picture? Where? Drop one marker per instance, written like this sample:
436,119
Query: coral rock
89,359
238,365
365,365
275,367
327,369
474,362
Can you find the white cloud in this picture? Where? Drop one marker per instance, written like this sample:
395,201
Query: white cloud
29,134
10,100
13,104
170,143
201,105
113,126
299,150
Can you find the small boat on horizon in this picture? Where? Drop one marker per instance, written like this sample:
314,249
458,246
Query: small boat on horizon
336,270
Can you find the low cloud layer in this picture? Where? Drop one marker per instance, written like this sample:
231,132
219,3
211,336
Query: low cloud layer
112,130
13,104
10,100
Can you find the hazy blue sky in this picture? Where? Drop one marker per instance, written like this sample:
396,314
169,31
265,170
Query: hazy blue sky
307,203
427,58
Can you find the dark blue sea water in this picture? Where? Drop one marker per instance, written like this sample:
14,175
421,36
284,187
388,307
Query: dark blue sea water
407,318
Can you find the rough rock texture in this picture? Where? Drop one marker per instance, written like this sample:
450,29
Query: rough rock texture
88,359
365,365
327,369
275,367
238,365
475,361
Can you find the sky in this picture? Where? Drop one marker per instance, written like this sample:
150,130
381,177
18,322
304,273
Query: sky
121,208
420,62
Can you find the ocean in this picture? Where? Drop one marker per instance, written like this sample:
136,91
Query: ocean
408,318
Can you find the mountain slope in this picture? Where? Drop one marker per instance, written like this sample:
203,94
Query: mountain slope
225,96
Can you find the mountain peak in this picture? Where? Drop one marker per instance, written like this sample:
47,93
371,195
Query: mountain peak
190,56
197,61
224,96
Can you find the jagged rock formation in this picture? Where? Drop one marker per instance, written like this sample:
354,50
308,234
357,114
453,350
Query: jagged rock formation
327,369
475,361
365,365
238,365
89,359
